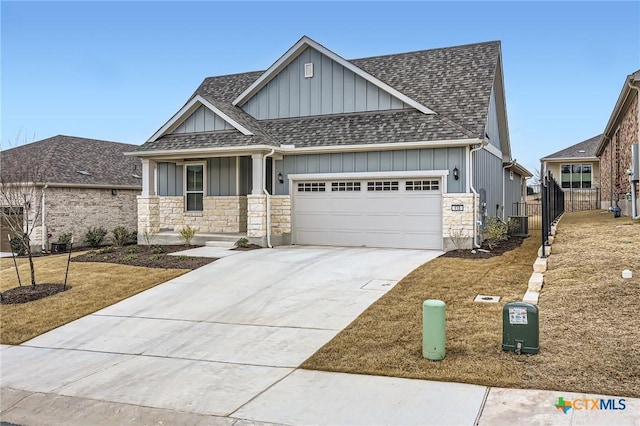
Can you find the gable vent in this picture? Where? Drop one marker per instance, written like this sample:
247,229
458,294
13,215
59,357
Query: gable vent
308,70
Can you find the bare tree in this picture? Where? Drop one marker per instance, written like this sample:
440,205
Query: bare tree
20,207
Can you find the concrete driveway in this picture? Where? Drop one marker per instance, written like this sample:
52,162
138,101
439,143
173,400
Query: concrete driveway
211,341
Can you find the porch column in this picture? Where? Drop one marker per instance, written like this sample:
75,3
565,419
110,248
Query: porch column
148,177
258,173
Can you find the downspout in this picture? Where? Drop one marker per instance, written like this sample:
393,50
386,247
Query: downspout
504,185
43,213
264,189
475,193
634,200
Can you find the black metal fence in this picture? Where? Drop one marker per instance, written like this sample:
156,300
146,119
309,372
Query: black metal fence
581,199
532,211
553,204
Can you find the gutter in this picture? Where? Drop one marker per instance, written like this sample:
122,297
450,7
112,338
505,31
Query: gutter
264,189
504,185
482,144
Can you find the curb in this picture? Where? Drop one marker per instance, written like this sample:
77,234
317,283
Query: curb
536,282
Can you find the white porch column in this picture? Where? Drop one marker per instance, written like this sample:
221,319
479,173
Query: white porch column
148,177
258,173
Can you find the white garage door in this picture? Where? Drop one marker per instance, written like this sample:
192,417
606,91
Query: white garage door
398,213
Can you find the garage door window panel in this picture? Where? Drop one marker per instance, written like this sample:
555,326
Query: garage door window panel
383,186
422,185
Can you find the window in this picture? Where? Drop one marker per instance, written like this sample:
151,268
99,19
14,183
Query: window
345,186
422,185
311,187
194,176
382,186
576,175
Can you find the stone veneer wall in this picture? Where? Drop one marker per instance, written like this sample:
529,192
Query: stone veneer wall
76,210
457,226
280,214
614,179
219,215
257,217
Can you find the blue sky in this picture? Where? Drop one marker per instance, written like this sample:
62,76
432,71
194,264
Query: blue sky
118,70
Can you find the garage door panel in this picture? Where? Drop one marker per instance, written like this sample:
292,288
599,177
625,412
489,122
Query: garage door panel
400,218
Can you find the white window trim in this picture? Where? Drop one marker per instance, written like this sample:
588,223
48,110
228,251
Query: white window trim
577,164
204,183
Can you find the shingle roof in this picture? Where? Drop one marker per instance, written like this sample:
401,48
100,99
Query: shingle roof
60,160
455,82
584,149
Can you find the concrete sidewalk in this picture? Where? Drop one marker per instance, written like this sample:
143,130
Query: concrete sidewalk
222,345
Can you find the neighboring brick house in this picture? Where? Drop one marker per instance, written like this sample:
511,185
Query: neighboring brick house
406,150
80,183
577,169
614,151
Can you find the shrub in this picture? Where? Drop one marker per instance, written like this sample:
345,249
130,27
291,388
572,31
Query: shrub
157,249
105,250
129,257
156,256
149,234
495,232
242,242
65,238
132,249
94,236
122,236
19,245
513,226
187,233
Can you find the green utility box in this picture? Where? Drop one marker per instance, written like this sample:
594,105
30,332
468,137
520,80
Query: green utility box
520,329
433,329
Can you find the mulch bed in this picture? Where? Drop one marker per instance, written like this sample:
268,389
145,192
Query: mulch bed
484,252
29,293
156,256
247,248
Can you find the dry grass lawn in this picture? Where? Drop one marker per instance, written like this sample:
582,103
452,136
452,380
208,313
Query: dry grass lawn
589,338
93,287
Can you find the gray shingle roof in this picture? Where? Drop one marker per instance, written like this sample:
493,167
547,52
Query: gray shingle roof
584,149
60,159
455,82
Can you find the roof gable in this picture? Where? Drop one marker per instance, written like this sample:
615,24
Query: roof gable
202,120
584,149
65,159
301,46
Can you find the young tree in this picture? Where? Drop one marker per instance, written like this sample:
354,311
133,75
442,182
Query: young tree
20,208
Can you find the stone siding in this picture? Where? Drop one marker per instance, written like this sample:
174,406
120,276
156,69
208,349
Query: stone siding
219,215
616,159
457,226
256,216
76,210
280,214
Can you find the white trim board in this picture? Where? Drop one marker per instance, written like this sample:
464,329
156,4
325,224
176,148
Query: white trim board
296,49
189,108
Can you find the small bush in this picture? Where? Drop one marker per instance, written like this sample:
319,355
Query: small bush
107,249
513,226
129,257
156,256
149,234
94,236
65,238
157,250
132,249
242,242
19,245
495,232
187,233
122,236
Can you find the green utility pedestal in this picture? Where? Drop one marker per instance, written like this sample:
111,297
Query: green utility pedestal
433,329
520,329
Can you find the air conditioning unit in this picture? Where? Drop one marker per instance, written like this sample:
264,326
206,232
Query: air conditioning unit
522,226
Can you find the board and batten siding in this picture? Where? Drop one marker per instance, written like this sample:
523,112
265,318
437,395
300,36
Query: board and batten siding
333,89
375,161
487,179
492,128
220,174
202,120
513,192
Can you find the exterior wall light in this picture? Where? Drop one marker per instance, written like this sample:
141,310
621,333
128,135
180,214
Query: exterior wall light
456,173
280,178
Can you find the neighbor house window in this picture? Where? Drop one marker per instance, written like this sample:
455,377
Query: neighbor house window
576,175
194,177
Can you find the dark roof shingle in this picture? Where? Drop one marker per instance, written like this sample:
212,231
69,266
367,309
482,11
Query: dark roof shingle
60,159
584,149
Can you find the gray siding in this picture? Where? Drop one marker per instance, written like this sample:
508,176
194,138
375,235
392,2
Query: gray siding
513,193
169,179
202,120
375,161
492,128
221,176
332,90
487,176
